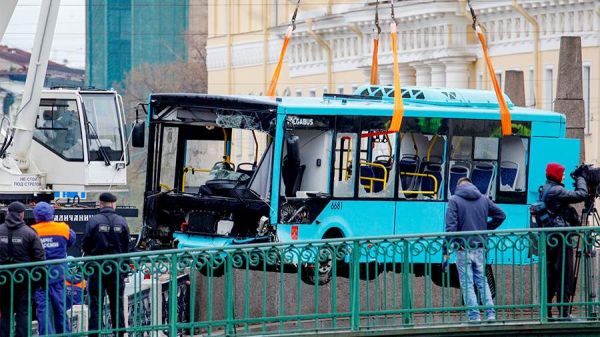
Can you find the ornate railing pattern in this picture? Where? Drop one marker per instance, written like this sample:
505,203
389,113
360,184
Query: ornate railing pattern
351,284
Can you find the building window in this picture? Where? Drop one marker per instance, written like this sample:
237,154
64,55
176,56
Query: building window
341,90
480,81
587,71
354,88
325,90
298,92
530,102
312,93
499,79
548,89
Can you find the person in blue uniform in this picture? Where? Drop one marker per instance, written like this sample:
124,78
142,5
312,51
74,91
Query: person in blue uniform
56,238
106,233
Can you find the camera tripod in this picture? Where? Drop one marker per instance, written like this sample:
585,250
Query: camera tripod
589,218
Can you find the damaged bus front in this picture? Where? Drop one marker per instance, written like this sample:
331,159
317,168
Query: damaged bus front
209,170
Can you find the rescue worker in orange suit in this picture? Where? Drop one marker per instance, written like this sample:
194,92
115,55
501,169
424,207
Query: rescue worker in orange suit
56,237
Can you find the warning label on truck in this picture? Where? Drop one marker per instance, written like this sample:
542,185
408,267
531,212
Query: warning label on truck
30,182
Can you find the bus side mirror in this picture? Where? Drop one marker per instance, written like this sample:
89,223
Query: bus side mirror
138,134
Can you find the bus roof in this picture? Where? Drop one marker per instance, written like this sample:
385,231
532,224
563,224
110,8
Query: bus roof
418,102
367,100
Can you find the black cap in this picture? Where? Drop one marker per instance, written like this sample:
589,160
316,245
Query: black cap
108,197
16,207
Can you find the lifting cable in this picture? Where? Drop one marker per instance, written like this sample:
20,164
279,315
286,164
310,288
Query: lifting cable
398,103
504,112
374,62
286,41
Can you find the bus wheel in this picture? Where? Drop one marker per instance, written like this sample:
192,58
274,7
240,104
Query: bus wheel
321,276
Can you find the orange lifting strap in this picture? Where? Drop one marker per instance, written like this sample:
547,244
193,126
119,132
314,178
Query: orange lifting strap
504,112
398,103
374,62
273,86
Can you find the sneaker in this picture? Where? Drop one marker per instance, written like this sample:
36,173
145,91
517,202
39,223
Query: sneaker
474,321
490,318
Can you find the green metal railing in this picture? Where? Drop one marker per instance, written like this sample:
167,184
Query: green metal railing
332,285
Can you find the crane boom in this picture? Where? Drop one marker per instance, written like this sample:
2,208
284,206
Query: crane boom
24,120
7,7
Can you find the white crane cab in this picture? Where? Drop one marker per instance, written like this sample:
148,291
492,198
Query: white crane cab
79,146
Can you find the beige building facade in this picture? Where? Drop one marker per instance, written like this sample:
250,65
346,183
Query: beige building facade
331,48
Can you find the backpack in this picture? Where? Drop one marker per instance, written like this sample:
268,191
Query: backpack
541,216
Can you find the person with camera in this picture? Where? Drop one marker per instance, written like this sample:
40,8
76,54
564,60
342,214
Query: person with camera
559,253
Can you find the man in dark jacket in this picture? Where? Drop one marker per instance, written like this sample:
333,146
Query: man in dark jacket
106,233
469,210
18,244
559,263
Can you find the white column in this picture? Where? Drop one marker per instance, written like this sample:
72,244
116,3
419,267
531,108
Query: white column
407,74
386,75
438,74
457,72
423,74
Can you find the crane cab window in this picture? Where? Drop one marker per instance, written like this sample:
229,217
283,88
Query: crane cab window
58,128
103,125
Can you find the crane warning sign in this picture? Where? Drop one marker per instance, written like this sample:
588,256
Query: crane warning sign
27,182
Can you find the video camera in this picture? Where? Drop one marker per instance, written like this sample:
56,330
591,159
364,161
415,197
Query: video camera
591,175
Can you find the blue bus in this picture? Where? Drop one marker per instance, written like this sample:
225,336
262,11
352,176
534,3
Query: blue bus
329,168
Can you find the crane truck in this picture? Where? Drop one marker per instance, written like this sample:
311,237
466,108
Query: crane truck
62,143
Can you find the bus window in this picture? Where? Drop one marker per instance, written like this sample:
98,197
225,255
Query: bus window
422,158
344,165
377,166
513,165
204,160
306,157
168,155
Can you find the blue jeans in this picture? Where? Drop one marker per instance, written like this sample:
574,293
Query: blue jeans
470,265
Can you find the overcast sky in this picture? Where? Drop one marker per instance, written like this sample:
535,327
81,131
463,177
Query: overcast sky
69,39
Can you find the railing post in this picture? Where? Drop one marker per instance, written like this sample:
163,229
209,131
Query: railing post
229,294
355,286
406,291
542,277
173,296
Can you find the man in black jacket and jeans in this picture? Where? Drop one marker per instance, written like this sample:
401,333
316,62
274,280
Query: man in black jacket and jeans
469,210
106,233
559,263
18,243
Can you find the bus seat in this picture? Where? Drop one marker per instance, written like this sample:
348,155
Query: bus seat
249,171
408,164
427,184
366,172
509,172
292,177
385,160
379,173
456,172
482,176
